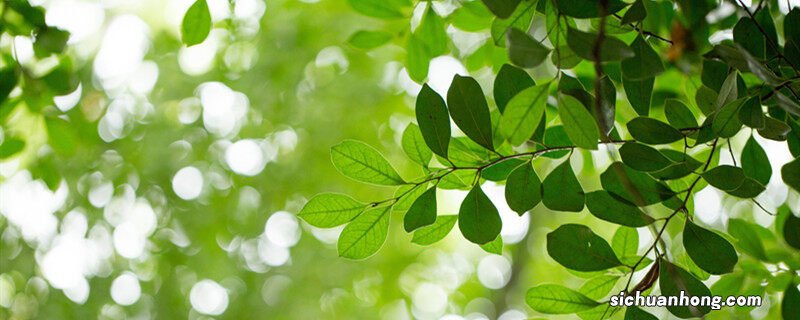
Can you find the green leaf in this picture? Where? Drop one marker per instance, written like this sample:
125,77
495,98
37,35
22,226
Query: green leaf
578,122
465,152
62,136
755,163
790,173
434,122
50,40
524,113
196,23
787,104
495,246
422,212
500,171
524,51
608,105
382,9
618,179
523,189
750,188
751,114
520,19
360,162
598,287
642,157
635,313
556,136
682,166
606,207
705,100
679,115
625,241
791,231
652,131
774,129
790,306
414,145
747,238
501,8
576,247
8,80
328,210
645,62
587,8
469,110
672,280
478,219
418,58
435,232
509,82
728,92
10,147
726,122
708,250
748,35
725,177
407,195
555,299
714,74
365,235
612,49
561,190
639,93
635,13
366,40
431,32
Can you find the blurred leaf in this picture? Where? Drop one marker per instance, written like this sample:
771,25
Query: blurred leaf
11,146
360,162
469,110
50,40
523,189
791,231
437,231
365,235
555,299
747,238
327,210
422,212
62,136
708,250
578,248
524,113
364,39
431,31
478,219
196,23
635,13
382,9
561,190
417,58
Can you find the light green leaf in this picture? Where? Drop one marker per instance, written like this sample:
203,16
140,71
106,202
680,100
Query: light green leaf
414,145
524,51
523,189
625,241
495,246
606,207
10,147
708,250
365,235
469,110
561,190
327,210
435,232
598,287
382,9
576,247
196,23
366,40
360,162
578,122
555,299
524,113
478,219
422,212
408,193
62,136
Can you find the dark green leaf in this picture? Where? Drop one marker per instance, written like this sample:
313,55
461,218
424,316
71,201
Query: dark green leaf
501,8
725,177
606,207
524,113
751,114
437,231
708,250
755,162
748,35
750,188
196,23
500,171
728,92
561,190
787,104
583,43
523,189
578,122
524,51
790,173
422,212
414,145
360,162
642,157
774,129
726,122
679,115
478,218
673,280
578,248
652,131
366,40
635,313
639,93
509,82
682,166
645,62
327,210
705,100
635,13
714,74
382,9
469,110
495,246
587,8
555,299
634,186
791,231
365,235
790,306
10,147
434,122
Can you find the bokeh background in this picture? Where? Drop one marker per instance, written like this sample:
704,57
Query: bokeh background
186,167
